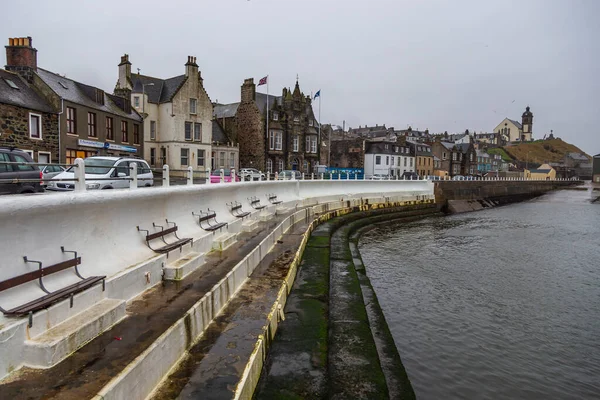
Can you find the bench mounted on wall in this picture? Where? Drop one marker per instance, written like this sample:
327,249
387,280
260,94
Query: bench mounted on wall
273,199
205,218
236,210
50,297
168,247
255,203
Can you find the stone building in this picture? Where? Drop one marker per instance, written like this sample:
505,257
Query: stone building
467,158
423,158
449,158
27,121
292,141
348,153
91,121
513,131
224,153
596,168
177,114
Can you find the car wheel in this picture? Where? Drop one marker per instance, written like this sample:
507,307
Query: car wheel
107,187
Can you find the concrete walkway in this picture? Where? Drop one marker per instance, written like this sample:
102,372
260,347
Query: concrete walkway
86,371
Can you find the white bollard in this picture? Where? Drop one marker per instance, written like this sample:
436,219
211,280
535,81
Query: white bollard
166,177
312,176
355,176
268,176
321,176
222,175
347,176
276,176
79,175
133,181
233,175
207,175
339,176
190,175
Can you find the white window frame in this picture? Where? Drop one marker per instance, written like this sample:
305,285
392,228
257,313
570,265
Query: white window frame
152,132
39,116
231,160
278,140
377,160
271,140
203,158
193,106
199,138
30,152
295,141
275,117
187,156
136,101
270,166
280,164
44,152
313,145
222,156
307,145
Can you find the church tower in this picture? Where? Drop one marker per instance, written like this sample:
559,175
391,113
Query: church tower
527,122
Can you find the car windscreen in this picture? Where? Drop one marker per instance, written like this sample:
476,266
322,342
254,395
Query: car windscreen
96,166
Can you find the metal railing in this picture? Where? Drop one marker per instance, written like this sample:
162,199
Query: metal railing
166,176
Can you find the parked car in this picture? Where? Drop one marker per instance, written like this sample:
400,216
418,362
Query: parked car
252,174
408,175
102,167
287,174
215,176
50,171
379,177
13,171
458,178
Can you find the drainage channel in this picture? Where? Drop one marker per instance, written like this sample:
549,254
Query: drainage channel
87,370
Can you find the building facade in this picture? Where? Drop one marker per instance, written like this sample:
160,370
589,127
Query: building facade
27,121
514,131
292,140
91,121
177,116
596,168
423,158
484,162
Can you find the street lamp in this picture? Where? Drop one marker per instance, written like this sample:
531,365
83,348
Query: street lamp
527,160
144,96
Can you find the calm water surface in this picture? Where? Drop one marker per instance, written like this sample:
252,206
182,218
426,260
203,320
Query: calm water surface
498,304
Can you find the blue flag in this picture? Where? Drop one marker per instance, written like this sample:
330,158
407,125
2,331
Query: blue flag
318,94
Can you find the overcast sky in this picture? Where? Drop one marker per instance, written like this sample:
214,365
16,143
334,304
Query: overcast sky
437,64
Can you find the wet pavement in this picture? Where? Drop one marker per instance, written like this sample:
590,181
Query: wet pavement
86,371
215,364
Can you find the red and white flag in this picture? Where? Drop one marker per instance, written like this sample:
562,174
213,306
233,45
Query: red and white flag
263,81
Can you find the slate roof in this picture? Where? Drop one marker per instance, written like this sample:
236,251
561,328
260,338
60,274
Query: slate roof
379,148
518,124
225,110
162,90
218,134
415,148
540,171
481,153
261,101
25,96
448,145
463,147
84,95
577,156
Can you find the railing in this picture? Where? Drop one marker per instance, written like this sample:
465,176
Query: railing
168,177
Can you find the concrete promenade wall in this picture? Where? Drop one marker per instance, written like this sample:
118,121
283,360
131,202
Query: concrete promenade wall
101,226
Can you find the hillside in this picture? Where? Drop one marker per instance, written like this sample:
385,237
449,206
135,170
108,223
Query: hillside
542,151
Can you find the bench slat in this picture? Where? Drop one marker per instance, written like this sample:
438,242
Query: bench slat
172,246
49,299
215,227
33,275
242,215
207,217
165,232
233,208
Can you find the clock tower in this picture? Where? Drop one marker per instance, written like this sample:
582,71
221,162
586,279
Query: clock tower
527,122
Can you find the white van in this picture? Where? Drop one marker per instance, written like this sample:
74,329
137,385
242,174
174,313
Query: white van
105,173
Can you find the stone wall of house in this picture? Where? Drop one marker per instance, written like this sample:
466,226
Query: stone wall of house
14,131
347,153
249,129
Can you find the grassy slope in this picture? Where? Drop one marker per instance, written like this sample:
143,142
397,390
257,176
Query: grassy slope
542,151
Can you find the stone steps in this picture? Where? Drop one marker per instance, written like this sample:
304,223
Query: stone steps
181,267
54,345
224,241
249,225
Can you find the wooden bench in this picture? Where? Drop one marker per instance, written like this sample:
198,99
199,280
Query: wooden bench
255,203
51,297
236,210
273,199
206,217
168,247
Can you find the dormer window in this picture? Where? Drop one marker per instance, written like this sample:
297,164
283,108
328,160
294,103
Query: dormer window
275,116
386,146
310,122
136,101
11,84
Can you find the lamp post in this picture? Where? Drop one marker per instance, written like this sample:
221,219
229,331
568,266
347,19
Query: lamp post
527,160
144,96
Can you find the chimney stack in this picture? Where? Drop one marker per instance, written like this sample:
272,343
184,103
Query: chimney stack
124,84
248,91
191,68
21,57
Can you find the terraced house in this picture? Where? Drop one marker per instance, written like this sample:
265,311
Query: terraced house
91,121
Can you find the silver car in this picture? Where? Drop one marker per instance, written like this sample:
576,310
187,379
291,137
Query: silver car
50,171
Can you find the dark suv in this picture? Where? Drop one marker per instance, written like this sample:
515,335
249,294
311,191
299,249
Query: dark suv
14,171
